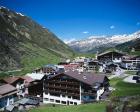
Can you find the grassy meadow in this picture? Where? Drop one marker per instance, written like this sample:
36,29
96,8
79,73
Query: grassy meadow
96,107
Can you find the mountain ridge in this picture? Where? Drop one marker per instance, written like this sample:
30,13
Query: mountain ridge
97,43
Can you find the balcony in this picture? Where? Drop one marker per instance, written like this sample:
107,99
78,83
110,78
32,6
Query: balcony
63,82
62,92
62,87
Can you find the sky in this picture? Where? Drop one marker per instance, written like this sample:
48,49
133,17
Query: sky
79,19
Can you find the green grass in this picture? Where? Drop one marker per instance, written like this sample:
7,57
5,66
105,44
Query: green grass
91,55
135,53
14,73
96,107
123,88
131,72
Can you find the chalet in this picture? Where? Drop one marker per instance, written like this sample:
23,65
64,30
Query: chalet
70,66
81,61
95,65
7,95
131,62
73,88
49,69
110,56
35,88
28,81
18,83
111,67
92,65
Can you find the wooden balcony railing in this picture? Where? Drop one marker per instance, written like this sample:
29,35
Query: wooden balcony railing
62,92
63,82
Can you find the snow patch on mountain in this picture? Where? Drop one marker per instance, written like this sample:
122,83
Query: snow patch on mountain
20,14
93,42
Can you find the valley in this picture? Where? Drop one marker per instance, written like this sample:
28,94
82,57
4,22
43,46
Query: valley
39,72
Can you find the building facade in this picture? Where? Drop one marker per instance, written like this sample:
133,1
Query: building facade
7,95
110,56
73,88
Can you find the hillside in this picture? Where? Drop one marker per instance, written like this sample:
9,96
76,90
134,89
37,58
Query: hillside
24,43
100,43
131,46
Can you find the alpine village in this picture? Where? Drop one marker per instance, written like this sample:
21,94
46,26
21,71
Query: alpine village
41,73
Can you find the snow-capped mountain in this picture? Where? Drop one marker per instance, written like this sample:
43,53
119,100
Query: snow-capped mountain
94,43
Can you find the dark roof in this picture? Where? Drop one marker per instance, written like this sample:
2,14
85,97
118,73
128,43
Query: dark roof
110,52
6,88
93,63
11,80
88,78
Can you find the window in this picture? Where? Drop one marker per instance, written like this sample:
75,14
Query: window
55,94
77,98
52,100
63,95
57,101
63,102
69,96
71,102
75,103
46,99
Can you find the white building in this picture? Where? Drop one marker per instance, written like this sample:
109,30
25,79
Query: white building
74,88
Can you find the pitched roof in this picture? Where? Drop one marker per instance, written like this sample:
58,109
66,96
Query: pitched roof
88,78
11,80
35,76
27,79
6,88
108,52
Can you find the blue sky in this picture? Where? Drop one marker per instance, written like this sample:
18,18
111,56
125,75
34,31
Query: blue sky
78,19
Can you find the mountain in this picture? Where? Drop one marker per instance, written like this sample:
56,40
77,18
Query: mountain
130,46
99,43
25,43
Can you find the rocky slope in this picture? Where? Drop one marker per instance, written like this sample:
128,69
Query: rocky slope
99,43
130,46
25,43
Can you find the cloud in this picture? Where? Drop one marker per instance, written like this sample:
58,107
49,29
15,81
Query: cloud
85,32
66,41
138,24
112,27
